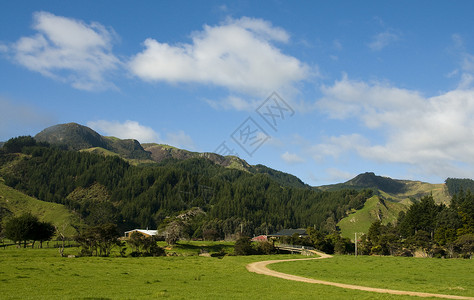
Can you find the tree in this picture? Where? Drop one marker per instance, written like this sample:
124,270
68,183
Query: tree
44,231
98,240
173,232
21,229
17,144
465,245
243,246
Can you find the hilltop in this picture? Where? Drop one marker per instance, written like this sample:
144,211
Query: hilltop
391,197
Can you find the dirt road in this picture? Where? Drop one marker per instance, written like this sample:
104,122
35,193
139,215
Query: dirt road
261,268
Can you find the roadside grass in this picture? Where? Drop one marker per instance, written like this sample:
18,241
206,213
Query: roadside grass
441,276
42,274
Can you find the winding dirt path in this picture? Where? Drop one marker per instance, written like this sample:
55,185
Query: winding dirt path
261,268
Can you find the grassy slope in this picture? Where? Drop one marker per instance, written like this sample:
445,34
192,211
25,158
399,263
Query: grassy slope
374,208
19,203
41,274
443,276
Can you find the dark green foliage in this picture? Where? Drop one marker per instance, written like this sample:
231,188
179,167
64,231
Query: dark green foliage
98,240
144,245
420,216
107,189
369,180
282,178
44,231
17,144
456,185
265,248
27,227
436,230
243,246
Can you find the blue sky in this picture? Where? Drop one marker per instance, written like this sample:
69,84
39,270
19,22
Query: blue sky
324,90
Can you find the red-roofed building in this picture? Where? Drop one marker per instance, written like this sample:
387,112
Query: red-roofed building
260,238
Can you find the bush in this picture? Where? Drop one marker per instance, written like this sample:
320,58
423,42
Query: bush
243,246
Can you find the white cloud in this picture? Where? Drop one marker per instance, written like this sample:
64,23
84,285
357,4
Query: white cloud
127,130
383,39
143,134
292,158
233,103
432,134
180,139
238,54
68,50
335,146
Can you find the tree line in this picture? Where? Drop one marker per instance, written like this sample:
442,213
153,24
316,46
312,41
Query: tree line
431,229
107,189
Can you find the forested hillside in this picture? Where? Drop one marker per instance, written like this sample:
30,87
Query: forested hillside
456,185
109,189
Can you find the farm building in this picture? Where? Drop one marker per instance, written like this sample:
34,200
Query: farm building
260,238
145,232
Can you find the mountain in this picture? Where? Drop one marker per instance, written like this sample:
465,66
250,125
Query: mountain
78,137
106,188
371,181
161,153
74,136
391,197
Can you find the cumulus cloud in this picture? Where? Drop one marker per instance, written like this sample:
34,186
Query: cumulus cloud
143,134
68,50
383,39
238,54
292,158
428,133
127,130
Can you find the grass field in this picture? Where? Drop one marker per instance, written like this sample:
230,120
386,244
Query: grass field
441,276
42,274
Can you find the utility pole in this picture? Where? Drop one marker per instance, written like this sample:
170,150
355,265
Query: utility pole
355,235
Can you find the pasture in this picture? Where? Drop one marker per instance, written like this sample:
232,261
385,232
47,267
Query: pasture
42,274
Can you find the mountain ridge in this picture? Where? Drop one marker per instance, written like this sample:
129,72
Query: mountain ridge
78,137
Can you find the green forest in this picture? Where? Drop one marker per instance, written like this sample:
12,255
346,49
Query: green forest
206,199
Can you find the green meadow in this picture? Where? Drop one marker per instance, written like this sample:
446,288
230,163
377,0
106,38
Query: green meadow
42,274
432,275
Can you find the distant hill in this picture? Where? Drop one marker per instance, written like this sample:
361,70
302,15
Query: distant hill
74,136
78,137
456,185
375,208
369,180
392,196
161,153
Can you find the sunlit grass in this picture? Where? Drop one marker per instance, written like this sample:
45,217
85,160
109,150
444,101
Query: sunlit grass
441,276
42,274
